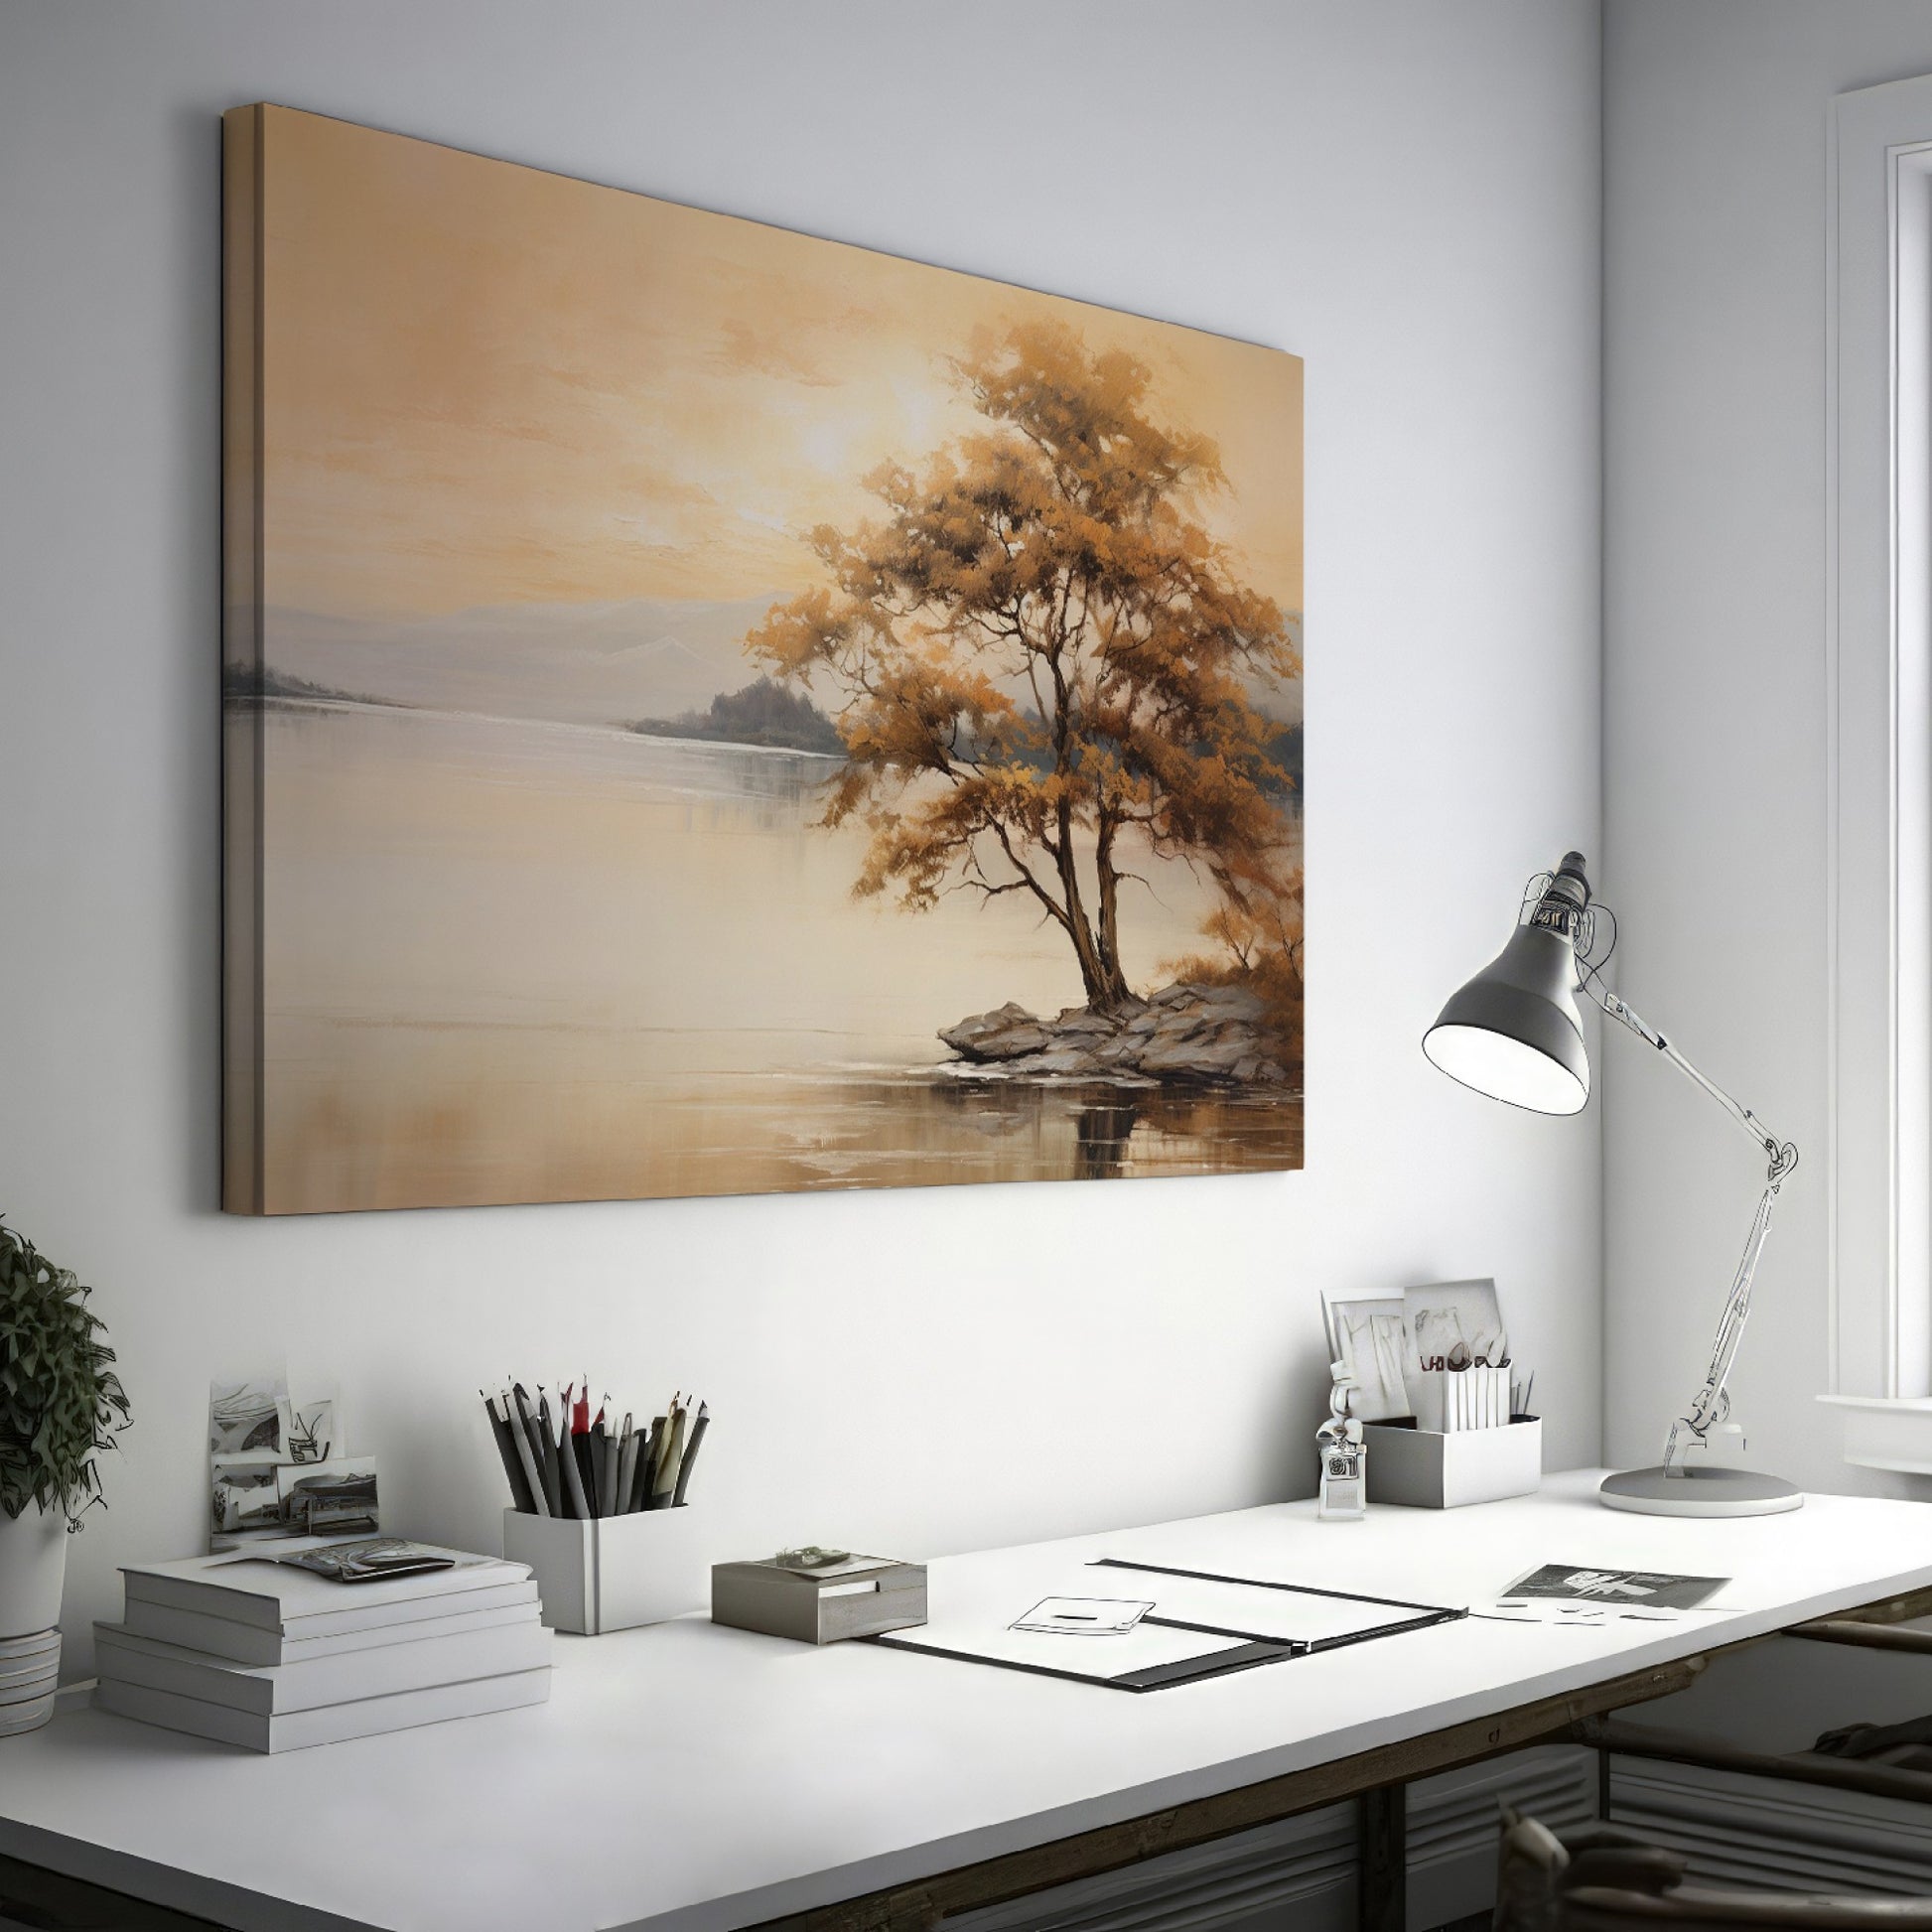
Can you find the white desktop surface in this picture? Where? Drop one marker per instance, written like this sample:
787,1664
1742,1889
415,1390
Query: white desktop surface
688,1777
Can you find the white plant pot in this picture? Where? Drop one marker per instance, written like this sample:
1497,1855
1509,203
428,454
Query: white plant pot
33,1567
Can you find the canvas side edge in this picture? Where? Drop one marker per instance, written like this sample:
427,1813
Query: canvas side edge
242,660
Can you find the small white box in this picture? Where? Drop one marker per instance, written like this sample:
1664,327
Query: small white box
1431,1470
612,1573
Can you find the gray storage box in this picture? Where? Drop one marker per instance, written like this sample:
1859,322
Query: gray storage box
1407,1464
858,1598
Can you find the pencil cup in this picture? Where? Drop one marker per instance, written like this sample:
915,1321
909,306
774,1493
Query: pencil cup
612,1573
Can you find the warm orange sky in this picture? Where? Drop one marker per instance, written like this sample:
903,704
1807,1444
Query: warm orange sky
488,385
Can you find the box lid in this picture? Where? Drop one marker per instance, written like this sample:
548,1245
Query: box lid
889,1572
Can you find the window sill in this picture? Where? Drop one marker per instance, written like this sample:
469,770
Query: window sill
1886,1432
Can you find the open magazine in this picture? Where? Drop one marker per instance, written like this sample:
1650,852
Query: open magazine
370,1560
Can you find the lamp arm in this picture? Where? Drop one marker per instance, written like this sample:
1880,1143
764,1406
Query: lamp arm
1781,1154
1712,1404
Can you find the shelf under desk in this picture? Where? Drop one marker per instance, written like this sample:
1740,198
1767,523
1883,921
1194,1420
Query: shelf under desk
689,1778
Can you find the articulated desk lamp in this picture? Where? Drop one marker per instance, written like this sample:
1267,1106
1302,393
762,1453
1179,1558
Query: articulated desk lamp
1514,1032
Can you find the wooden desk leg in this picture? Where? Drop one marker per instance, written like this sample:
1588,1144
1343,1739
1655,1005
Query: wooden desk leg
1382,1872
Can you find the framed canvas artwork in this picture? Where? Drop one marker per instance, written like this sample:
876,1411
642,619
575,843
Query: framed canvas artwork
709,710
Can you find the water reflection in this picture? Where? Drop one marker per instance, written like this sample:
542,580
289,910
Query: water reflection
750,1132
1104,1132
526,962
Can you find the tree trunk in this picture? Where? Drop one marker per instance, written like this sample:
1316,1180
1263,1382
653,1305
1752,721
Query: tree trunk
1101,995
1094,974
1098,973
1103,865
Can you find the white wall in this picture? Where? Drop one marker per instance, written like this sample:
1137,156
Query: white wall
1715,142
1406,193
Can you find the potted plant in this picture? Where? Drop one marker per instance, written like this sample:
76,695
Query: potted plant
60,1404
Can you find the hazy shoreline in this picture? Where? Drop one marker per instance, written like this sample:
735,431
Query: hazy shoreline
394,707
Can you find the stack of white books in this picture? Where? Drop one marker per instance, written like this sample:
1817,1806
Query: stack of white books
255,1651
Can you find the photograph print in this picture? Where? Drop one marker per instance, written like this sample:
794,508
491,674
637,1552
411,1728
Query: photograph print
711,711
1645,1588
245,1496
331,1499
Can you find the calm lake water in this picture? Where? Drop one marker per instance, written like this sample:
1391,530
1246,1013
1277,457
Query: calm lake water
514,961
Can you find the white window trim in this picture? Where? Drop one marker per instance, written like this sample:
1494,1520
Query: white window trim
1879,703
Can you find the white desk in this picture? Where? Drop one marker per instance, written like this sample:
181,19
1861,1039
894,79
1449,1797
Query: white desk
689,1777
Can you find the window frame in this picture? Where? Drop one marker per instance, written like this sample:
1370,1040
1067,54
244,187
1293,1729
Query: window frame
1879,700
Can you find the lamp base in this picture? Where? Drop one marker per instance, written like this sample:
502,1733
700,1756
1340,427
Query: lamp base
1715,1490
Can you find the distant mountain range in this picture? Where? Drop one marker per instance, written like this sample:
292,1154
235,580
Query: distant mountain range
566,663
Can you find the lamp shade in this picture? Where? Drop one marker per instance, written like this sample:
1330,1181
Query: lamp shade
1514,1032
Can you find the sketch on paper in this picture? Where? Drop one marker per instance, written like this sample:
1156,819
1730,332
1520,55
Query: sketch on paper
245,1419
309,1430
1369,1336
1455,1323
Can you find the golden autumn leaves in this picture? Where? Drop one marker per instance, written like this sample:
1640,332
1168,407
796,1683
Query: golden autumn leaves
1043,666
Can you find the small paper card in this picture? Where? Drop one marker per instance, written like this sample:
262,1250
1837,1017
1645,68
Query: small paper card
1082,1616
1578,1616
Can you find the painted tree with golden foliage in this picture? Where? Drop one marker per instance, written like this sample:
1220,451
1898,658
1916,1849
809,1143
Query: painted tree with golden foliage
1043,662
